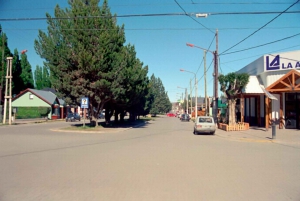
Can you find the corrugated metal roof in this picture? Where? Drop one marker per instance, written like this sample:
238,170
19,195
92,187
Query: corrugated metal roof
46,95
253,86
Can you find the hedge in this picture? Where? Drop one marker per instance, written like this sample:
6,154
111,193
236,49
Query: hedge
32,112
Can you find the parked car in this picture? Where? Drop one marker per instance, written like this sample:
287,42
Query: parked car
204,124
170,114
101,115
185,117
73,117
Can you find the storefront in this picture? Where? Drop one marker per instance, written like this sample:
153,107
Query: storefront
273,91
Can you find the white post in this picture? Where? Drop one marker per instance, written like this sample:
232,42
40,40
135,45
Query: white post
8,77
191,95
196,100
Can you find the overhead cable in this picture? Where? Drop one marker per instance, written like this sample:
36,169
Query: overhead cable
260,28
263,44
192,17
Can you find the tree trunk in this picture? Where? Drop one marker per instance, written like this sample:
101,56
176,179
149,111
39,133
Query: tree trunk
122,115
231,109
116,116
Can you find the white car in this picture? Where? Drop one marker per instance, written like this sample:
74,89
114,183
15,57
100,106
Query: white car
204,124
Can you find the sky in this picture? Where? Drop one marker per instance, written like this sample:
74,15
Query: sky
160,30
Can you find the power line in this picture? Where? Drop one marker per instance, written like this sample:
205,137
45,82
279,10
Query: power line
164,4
191,17
148,15
254,13
263,44
260,54
207,49
260,27
159,29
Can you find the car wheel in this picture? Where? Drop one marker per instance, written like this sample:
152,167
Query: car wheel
213,133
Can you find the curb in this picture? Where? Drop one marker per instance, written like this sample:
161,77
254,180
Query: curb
109,130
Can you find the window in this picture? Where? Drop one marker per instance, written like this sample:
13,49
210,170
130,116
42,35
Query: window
31,96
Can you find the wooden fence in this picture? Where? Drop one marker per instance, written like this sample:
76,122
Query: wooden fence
236,127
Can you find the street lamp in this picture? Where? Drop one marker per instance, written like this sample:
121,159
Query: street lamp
196,107
215,54
186,99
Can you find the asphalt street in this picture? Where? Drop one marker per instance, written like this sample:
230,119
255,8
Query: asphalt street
161,160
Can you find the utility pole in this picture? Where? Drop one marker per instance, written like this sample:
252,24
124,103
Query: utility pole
1,78
191,95
8,95
186,99
205,91
216,74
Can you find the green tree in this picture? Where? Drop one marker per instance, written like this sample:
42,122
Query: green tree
41,77
131,85
26,75
161,103
80,50
16,72
5,52
232,85
38,77
46,78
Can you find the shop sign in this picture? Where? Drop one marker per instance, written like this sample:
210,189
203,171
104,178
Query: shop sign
277,64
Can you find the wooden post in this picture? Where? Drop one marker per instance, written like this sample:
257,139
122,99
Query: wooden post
281,112
242,105
267,112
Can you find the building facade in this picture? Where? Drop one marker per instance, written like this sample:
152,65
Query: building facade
273,91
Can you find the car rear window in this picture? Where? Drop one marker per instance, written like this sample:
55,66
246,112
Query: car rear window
205,120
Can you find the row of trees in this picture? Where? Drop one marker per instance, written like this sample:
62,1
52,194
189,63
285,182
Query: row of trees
85,51
21,68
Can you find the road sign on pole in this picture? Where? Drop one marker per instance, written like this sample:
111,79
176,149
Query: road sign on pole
85,102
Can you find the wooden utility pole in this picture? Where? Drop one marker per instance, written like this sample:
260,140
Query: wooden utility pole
216,74
205,91
191,96
8,95
1,78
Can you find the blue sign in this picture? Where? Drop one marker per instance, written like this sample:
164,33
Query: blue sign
276,64
85,102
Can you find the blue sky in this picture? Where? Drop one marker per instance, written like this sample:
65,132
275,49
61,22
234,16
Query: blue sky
160,41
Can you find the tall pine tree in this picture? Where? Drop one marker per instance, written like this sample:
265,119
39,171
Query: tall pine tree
80,49
26,75
38,77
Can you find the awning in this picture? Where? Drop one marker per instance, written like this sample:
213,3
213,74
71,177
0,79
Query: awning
253,86
268,93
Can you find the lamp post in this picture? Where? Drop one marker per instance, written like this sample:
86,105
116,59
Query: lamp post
186,99
196,99
215,54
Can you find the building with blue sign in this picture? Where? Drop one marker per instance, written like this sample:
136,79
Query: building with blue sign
273,91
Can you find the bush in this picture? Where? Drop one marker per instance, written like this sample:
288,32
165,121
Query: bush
32,112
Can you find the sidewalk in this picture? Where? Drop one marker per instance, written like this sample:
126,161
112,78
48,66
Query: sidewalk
288,137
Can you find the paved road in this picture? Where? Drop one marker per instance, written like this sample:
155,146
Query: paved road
162,160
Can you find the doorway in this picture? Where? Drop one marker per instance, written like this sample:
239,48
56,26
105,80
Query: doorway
292,110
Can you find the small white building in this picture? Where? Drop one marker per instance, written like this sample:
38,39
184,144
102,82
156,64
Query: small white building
273,91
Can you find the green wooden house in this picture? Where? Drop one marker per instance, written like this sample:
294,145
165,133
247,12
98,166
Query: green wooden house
32,103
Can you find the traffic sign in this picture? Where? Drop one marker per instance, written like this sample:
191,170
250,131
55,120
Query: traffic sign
85,102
